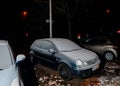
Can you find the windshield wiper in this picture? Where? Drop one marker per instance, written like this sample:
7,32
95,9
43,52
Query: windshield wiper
70,50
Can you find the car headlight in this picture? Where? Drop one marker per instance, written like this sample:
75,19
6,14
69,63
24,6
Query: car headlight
80,63
15,82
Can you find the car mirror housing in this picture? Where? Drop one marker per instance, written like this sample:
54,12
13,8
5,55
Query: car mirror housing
20,58
52,51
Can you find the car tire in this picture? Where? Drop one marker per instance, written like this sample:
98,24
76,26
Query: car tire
64,71
109,56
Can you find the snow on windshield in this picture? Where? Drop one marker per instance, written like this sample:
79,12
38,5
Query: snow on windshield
66,45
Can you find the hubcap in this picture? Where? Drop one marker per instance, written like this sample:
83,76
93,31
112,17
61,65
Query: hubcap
63,72
109,56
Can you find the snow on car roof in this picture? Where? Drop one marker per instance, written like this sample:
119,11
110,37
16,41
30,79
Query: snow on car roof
63,44
3,42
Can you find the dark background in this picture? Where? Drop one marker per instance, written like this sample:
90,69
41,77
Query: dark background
80,16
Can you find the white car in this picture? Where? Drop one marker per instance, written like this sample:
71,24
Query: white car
70,58
9,71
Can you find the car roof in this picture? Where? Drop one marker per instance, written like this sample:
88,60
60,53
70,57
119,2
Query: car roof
52,39
6,59
62,44
3,42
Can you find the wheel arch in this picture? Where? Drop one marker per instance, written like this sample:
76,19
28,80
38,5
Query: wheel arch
110,50
69,72
65,62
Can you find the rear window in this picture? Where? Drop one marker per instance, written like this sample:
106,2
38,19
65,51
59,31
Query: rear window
37,44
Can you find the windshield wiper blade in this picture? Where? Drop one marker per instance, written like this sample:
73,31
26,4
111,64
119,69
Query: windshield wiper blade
70,50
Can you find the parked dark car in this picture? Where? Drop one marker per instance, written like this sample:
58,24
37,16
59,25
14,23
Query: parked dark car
107,47
70,58
9,67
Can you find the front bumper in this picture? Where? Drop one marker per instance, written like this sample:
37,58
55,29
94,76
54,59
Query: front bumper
86,72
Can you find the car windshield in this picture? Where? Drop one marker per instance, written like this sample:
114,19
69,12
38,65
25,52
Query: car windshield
5,59
66,45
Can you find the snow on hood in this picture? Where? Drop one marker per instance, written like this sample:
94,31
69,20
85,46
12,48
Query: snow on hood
82,54
7,76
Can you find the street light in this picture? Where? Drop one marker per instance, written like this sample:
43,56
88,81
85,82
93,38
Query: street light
50,17
24,13
108,11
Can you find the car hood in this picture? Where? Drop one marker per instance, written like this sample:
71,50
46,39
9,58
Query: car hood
82,54
7,76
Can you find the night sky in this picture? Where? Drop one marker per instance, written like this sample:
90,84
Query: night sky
85,16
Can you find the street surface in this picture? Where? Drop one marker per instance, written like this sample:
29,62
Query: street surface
45,74
109,76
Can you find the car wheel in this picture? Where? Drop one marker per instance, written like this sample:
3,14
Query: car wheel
109,56
64,72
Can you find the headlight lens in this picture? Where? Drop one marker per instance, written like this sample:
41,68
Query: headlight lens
85,63
80,63
15,82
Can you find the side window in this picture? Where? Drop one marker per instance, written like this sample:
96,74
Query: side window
47,45
38,44
102,41
88,41
85,41
92,41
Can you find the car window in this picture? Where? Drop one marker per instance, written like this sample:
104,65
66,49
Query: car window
66,45
90,41
95,41
38,43
47,45
102,41
5,57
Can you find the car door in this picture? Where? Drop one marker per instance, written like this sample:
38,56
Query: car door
96,44
101,45
91,44
47,52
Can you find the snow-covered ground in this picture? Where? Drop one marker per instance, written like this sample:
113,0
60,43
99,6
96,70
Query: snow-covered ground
109,76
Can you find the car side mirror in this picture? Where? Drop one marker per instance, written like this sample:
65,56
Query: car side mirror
20,58
52,51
